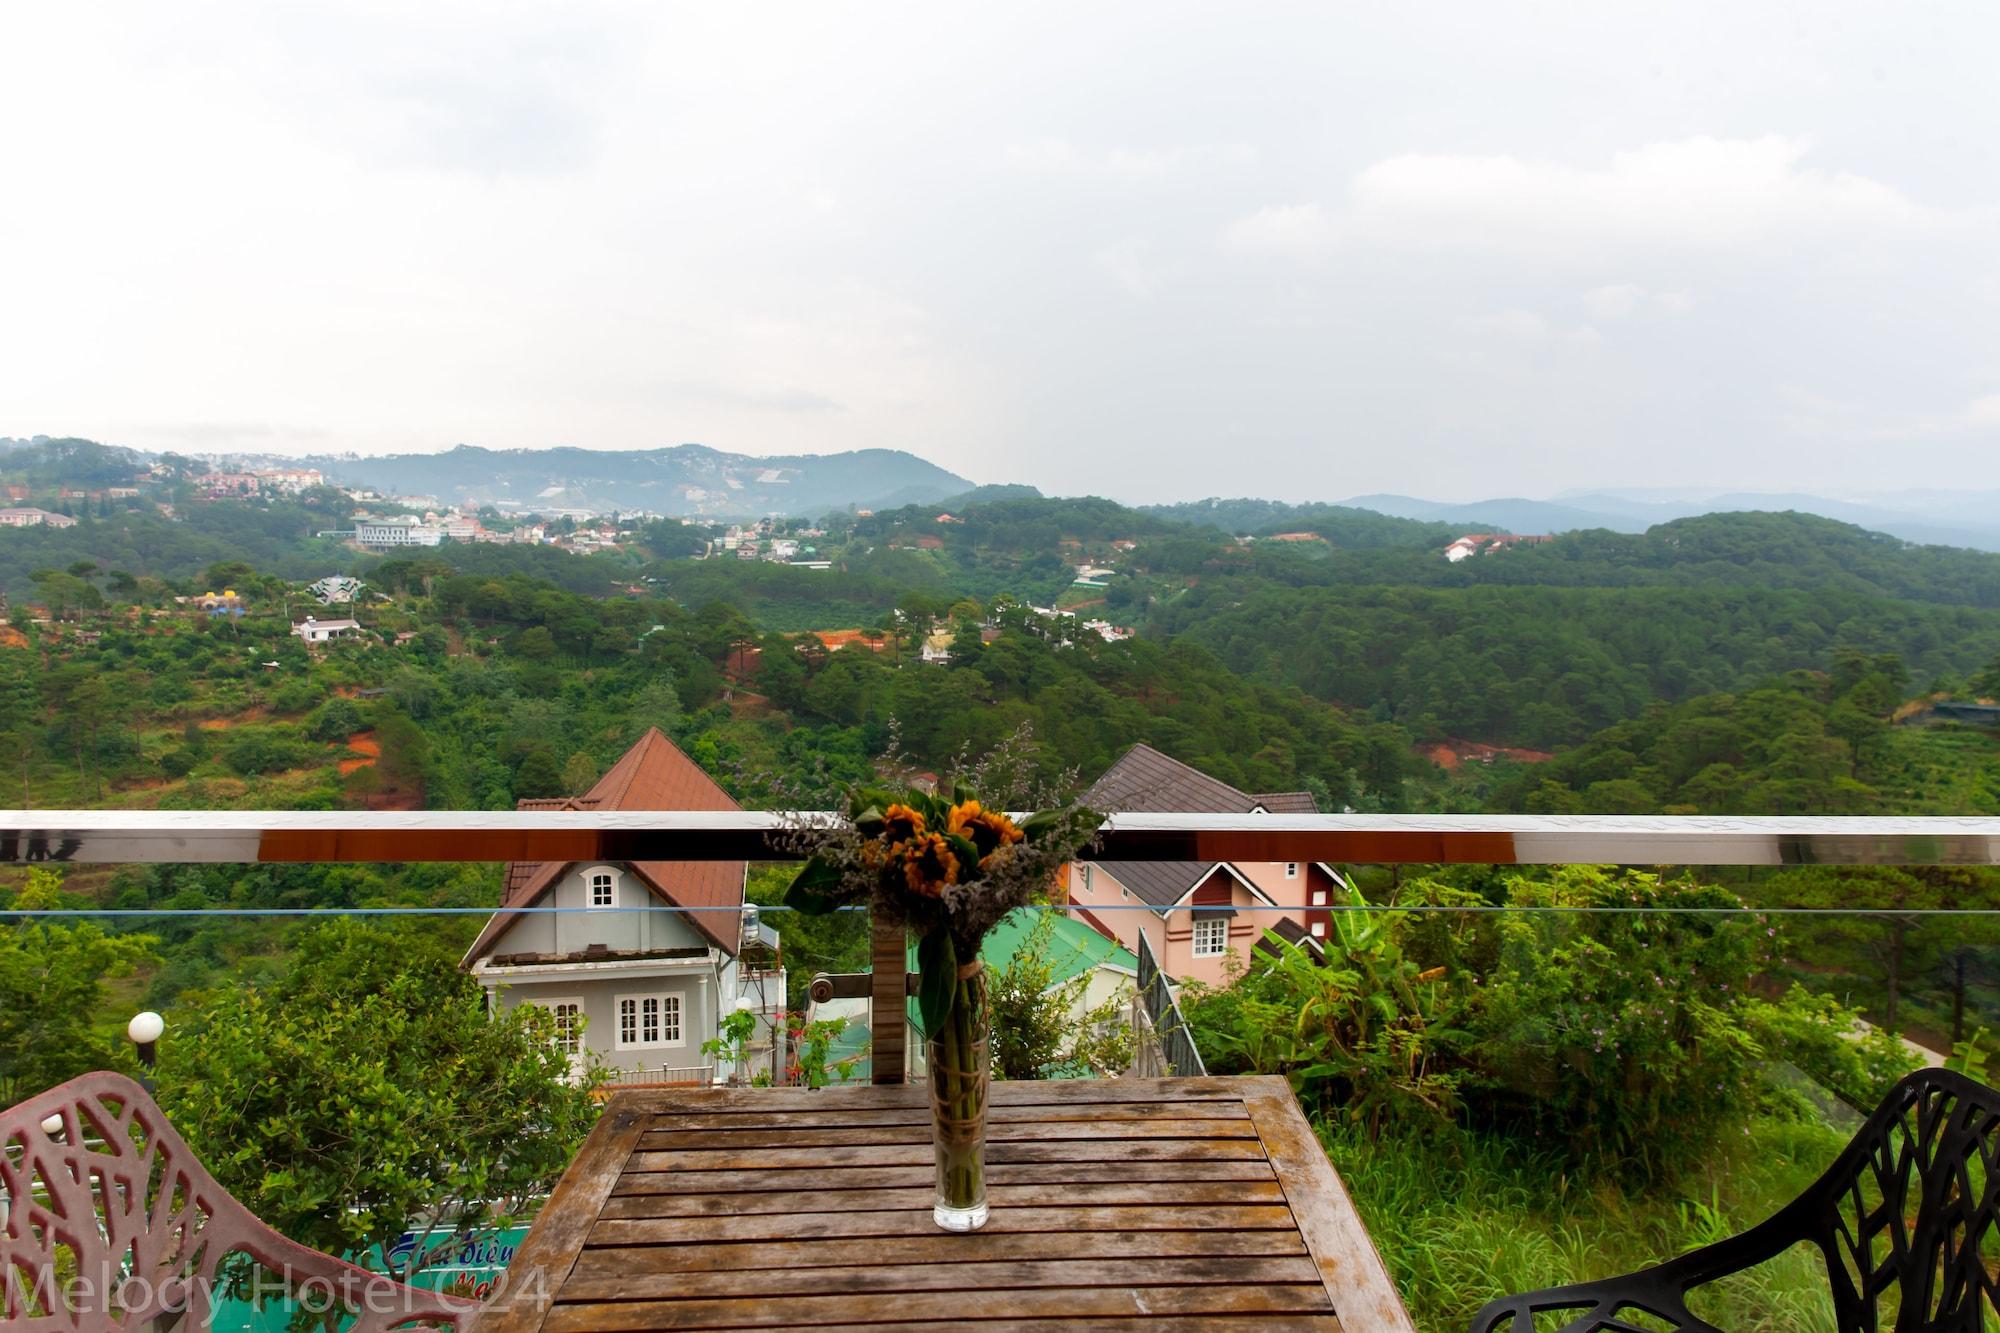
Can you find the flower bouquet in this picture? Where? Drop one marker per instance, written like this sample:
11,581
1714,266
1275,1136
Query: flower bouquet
946,868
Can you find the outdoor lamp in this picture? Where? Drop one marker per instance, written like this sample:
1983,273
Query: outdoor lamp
145,1029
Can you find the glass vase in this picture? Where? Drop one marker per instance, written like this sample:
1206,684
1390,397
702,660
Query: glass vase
959,1077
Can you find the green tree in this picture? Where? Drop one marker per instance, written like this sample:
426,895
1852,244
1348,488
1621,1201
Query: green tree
538,777
368,1089
579,775
1037,1031
55,1019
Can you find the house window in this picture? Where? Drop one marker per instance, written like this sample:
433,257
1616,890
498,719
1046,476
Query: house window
569,1025
648,1020
1319,929
1211,936
1291,870
603,888
1085,872
1319,897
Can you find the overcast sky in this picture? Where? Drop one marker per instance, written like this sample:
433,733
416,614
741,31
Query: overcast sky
1154,251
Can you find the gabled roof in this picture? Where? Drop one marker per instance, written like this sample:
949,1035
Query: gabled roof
1145,779
653,775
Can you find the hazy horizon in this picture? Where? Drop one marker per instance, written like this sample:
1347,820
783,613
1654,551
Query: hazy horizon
1458,251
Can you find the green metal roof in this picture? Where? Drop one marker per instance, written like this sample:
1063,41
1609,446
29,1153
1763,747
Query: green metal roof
1074,948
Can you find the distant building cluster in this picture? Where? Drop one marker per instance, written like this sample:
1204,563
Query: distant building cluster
1486,543
34,518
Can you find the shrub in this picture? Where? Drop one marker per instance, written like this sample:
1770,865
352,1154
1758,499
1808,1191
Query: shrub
179,763
336,720
263,750
1370,1035
1827,1040
1620,1037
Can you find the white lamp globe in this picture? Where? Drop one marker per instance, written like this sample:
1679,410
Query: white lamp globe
52,1126
145,1027
745,1002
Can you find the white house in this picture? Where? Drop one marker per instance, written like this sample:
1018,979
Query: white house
387,532
325,631
627,976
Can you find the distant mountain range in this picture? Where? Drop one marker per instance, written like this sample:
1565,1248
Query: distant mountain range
688,480
1941,518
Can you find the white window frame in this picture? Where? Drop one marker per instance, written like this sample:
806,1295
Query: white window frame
570,1042
668,1013
1319,930
1291,870
1084,871
590,878
1319,898
1211,936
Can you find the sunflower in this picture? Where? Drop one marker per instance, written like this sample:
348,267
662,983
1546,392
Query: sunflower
929,864
987,830
900,824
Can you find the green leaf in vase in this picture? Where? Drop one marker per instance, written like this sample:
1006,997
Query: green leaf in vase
937,961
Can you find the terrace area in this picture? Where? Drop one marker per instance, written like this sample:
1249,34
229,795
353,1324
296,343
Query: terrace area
1181,1201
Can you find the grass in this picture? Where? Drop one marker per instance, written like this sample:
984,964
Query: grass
1462,1217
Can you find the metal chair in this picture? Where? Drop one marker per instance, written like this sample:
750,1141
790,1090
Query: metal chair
1900,1218
107,1220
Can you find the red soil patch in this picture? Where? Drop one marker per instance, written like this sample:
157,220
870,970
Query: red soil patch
366,750
1452,753
12,638
257,714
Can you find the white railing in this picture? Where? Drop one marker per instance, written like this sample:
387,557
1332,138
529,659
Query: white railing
665,1076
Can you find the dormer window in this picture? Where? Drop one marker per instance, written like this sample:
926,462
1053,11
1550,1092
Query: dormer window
602,887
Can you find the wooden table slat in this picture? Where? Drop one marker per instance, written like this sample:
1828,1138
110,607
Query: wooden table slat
914,1154
1150,1193
1001,1275
902,1177
1117,1204
811,1311
1325,1322
1006,1092
839,1115
830,1136
986,1247
917,1222
1349,1263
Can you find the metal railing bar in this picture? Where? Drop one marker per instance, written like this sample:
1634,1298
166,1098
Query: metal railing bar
142,836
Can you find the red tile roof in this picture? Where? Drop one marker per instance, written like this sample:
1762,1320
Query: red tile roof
653,775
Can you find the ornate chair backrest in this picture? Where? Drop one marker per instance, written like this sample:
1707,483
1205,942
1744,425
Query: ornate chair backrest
108,1221
1906,1210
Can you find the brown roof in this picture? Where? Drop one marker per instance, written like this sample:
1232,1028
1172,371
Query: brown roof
1145,779
653,775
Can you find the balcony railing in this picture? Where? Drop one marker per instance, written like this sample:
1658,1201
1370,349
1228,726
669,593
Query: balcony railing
142,836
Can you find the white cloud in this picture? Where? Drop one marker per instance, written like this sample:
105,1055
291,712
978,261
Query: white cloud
1699,193
1528,329
1623,299
1301,233
1692,194
1129,263
1130,165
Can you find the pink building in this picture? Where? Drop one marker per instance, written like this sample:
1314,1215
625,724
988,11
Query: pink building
1196,915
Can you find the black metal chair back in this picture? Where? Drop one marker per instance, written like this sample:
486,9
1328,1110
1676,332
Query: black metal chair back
1905,1218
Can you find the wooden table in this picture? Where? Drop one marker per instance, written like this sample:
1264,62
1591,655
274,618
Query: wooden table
1177,1203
